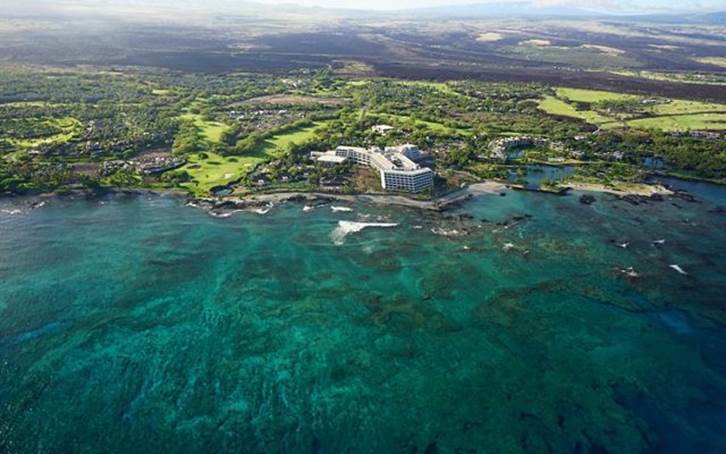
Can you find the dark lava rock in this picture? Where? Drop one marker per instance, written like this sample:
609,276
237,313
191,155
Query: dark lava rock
587,199
226,205
514,220
683,195
521,217
656,198
502,194
633,199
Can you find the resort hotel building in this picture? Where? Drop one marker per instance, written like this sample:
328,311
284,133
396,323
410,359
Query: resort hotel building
396,165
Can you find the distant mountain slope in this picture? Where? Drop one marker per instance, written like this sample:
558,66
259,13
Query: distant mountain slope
480,9
718,18
488,9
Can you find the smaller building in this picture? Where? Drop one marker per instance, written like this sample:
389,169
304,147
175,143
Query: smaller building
382,129
331,159
412,152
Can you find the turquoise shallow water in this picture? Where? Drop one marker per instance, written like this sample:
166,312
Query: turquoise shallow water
136,324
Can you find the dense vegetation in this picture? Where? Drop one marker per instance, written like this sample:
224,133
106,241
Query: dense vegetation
91,128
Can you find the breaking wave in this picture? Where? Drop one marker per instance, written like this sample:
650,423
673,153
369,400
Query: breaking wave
345,228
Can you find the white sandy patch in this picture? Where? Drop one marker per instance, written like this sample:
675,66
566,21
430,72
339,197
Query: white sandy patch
489,37
536,42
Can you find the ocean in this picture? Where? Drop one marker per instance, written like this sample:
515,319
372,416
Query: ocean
519,323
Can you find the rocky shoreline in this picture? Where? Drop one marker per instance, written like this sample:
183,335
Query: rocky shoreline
219,206
644,190
262,203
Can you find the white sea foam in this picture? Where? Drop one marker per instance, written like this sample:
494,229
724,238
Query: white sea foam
339,209
307,208
679,269
445,232
263,209
630,272
13,212
225,214
345,228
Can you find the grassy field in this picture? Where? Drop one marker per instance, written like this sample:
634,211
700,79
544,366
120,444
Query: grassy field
681,107
211,130
677,115
440,86
556,106
436,127
686,78
31,104
693,122
69,126
217,170
716,61
591,96
276,145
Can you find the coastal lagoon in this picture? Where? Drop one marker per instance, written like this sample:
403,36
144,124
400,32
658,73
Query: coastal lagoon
527,322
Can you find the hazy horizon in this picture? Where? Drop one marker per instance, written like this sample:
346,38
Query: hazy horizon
603,5
614,6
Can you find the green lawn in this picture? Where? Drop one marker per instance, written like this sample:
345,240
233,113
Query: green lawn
696,122
443,87
686,78
277,144
677,115
440,86
591,96
436,127
555,106
30,104
211,130
218,170
70,128
680,107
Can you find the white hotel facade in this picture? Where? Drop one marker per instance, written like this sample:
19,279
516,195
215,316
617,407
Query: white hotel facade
395,164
